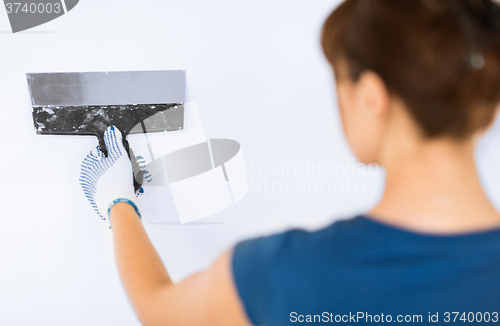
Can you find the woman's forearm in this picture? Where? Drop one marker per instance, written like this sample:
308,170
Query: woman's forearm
141,269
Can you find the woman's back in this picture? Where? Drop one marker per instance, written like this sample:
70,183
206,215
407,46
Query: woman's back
364,271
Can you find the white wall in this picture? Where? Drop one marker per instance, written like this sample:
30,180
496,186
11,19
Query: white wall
256,71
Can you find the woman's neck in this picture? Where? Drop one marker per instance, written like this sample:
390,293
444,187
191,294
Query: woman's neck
433,187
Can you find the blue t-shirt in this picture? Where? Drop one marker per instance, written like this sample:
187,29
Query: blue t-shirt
360,270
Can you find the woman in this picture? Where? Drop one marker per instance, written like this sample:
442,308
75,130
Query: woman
417,83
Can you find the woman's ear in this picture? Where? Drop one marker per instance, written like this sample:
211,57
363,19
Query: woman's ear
373,94
365,107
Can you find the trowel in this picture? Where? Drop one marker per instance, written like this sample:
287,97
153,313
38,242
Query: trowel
86,103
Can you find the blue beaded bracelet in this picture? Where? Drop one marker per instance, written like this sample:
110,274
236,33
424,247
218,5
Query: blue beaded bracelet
124,200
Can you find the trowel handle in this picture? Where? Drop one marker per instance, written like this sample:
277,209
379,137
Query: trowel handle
137,172
136,169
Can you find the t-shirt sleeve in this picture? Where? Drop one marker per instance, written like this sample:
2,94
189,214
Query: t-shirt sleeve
256,264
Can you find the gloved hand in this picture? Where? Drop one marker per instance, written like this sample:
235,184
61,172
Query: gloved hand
108,180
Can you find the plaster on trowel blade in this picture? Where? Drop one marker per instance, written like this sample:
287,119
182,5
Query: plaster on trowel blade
86,103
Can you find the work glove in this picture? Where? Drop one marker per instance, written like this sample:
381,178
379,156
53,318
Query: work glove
108,180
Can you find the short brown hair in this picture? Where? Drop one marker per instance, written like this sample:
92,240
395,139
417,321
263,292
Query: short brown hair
441,57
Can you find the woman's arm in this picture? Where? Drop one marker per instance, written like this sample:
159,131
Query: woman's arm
206,298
